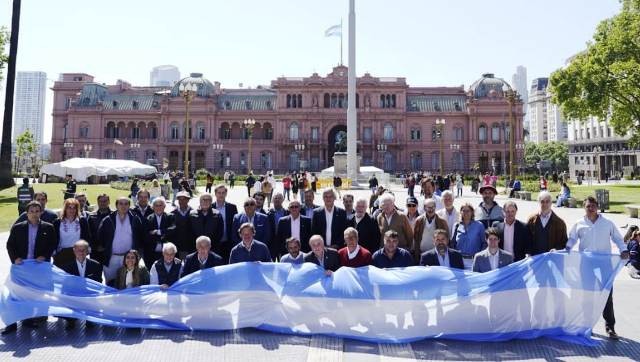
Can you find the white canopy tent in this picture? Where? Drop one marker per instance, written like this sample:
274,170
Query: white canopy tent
82,168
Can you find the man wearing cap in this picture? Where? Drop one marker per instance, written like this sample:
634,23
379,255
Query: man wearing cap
488,211
412,211
25,195
182,234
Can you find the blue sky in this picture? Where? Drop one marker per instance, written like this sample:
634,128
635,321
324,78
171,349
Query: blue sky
252,41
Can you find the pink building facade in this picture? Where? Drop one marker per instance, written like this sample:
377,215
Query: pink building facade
298,121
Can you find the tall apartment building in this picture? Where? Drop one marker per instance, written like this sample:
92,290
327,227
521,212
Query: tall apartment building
164,76
29,101
519,82
545,119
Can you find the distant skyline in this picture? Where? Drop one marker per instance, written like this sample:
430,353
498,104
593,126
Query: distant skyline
430,43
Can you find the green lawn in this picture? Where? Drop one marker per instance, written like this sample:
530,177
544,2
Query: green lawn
619,195
9,202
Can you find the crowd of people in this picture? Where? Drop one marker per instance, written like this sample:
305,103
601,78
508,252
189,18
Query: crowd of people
140,243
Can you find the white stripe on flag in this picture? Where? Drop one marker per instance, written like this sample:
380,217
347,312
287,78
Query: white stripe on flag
335,30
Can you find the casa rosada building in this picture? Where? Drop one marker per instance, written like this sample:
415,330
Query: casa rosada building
298,121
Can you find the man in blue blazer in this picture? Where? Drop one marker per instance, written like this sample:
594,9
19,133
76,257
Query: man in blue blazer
332,231
259,221
442,255
301,229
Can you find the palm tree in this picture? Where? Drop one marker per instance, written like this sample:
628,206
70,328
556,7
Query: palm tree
6,178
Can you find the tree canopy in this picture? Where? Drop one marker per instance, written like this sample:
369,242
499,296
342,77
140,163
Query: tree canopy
4,40
555,152
603,81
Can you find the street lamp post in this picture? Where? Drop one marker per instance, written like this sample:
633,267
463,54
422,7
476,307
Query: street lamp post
188,90
382,149
440,133
456,148
521,147
67,148
249,124
512,97
87,150
218,147
299,147
596,162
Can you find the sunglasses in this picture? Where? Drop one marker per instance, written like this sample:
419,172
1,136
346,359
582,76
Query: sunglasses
411,205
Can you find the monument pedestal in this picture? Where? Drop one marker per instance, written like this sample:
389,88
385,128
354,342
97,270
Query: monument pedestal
340,164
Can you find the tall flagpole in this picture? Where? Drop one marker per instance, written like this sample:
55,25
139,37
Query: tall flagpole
352,124
341,62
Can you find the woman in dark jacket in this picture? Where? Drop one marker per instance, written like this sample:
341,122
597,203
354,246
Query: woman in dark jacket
131,274
69,228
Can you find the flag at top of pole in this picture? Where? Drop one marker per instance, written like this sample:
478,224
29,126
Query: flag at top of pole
335,30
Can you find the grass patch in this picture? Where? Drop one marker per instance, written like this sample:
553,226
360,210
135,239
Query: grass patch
9,201
619,195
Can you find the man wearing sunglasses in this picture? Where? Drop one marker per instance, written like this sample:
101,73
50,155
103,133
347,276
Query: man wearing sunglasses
295,225
259,221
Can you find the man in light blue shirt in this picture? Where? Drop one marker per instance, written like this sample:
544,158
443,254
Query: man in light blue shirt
294,256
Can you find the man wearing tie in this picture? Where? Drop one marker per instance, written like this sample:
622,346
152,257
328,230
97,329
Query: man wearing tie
329,221
293,225
492,257
159,229
227,211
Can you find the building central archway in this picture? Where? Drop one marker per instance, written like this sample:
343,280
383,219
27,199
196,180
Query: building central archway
334,135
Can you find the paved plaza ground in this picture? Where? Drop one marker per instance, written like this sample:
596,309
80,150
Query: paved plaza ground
54,343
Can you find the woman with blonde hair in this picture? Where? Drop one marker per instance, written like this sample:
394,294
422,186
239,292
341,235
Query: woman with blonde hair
69,228
131,274
154,190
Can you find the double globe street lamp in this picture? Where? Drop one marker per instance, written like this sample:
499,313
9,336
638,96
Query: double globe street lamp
188,91
249,124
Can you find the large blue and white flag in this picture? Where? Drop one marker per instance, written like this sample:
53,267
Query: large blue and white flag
554,294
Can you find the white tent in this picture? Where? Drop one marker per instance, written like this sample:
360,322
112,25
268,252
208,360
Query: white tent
82,168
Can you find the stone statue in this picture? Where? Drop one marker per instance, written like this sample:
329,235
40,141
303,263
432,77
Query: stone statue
367,100
341,142
314,100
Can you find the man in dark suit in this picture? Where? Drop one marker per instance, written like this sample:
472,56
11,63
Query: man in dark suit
515,237
227,211
368,230
260,223
47,215
206,221
159,230
294,224
309,206
276,213
329,221
118,233
442,255
203,258
182,236
142,209
95,218
327,258
85,268
30,239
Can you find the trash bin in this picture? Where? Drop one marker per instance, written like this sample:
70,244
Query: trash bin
602,196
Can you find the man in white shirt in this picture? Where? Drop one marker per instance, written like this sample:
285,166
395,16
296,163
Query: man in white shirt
448,212
329,221
166,270
595,233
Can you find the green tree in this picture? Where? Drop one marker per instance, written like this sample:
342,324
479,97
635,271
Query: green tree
4,39
26,147
604,80
555,152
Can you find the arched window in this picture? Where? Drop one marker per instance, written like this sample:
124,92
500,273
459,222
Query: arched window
299,100
495,133
152,131
458,161
131,155
507,133
435,161
149,155
265,160
294,131
174,159
225,131
482,134
334,100
382,104
341,102
327,100
201,132
483,161
110,154
111,130
389,161
294,160
268,131
416,161
175,131
84,130
288,100
135,132
393,101
388,132
458,134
